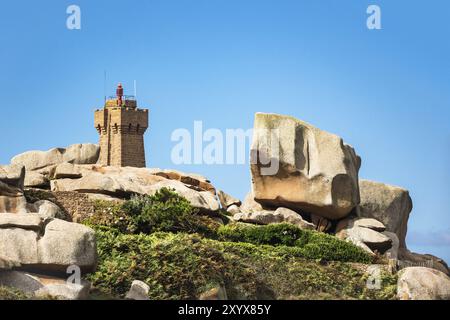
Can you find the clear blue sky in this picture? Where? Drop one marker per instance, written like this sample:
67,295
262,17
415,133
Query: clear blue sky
386,92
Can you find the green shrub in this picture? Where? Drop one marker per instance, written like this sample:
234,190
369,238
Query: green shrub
273,234
163,211
310,244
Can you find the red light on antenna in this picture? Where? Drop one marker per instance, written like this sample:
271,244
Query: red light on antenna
119,93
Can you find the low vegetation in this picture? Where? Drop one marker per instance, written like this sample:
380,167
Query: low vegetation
12,294
164,242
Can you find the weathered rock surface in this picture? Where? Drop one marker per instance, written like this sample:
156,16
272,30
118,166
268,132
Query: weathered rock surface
364,237
226,200
125,181
278,216
81,153
47,209
250,205
6,264
12,199
203,200
392,253
369,223
11,189
35,179
389,204
13,175
66,170
309,169
192,179
78,153
20,220
410,259
233,209
138,291
419,283
51,247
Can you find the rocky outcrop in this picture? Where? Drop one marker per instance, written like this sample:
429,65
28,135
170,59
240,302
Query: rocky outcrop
363,233
78,154
51,246
392,253
192,179
278,216
226,200
389,204
35,179
122,182
298,166
419,283
250,205
203,200
40,164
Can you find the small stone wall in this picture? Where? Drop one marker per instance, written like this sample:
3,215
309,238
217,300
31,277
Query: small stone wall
75,205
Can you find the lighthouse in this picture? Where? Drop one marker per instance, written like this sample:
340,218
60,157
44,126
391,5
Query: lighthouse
121,126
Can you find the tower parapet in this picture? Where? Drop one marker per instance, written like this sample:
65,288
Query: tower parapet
121,126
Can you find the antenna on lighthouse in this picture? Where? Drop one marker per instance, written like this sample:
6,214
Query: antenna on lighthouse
135,90
104,85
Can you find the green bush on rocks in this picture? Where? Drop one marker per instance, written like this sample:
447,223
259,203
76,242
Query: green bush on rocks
164,211
311,244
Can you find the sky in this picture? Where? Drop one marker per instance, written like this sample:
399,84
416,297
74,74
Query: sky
386,92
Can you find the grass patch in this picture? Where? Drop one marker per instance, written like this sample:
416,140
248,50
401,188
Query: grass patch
12,294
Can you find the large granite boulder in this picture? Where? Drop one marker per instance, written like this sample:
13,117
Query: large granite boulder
419,283
81,153
51,245
78,153
389,204
40,164
299,166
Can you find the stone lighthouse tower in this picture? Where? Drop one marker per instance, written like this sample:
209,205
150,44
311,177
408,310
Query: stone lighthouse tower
121,126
